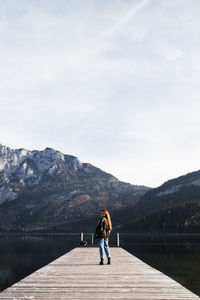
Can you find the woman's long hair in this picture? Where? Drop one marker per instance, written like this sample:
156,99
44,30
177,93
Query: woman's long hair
108,218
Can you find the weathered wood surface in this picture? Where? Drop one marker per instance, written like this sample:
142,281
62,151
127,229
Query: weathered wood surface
77,275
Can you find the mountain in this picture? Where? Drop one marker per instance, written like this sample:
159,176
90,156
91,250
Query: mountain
180,218
172,207
49,191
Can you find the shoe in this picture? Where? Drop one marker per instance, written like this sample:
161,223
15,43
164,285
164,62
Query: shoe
101,262
109,261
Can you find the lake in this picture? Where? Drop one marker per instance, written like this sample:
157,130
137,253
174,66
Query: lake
178,256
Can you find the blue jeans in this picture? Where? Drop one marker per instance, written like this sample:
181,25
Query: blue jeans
103,244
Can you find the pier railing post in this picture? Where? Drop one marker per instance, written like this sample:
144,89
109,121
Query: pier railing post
92,239
81,236
117,239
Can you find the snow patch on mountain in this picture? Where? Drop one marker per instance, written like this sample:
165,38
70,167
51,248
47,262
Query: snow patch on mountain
170,190
1,165
22,182
6,193
176,188
48,160
196,182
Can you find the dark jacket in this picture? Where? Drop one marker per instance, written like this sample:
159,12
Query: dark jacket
102,230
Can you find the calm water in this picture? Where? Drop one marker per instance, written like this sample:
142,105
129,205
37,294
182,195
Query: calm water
178,256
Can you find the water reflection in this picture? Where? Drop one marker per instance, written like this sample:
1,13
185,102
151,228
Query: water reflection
178,256
21,255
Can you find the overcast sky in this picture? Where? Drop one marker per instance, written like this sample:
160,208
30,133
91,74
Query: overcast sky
114,82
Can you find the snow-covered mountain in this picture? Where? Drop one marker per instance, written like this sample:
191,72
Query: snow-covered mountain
41,189
27,168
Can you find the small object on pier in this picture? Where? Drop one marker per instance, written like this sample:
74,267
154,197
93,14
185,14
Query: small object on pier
83,243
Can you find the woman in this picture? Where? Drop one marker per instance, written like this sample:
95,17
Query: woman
102,233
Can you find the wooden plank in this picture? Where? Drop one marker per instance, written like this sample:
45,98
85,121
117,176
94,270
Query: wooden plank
77,275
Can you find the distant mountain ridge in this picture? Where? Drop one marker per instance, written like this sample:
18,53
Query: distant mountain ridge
172,207
28,168
47,189
51,191
180,218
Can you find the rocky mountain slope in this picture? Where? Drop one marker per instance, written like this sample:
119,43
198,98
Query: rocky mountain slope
174,207
48,190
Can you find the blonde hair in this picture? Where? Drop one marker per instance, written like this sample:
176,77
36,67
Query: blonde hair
108,218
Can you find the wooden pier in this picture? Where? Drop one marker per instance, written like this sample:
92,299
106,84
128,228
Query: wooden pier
77,275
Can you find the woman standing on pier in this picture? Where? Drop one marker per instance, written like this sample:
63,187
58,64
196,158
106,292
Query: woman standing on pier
102,233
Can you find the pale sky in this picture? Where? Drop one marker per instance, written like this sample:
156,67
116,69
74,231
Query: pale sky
115,83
